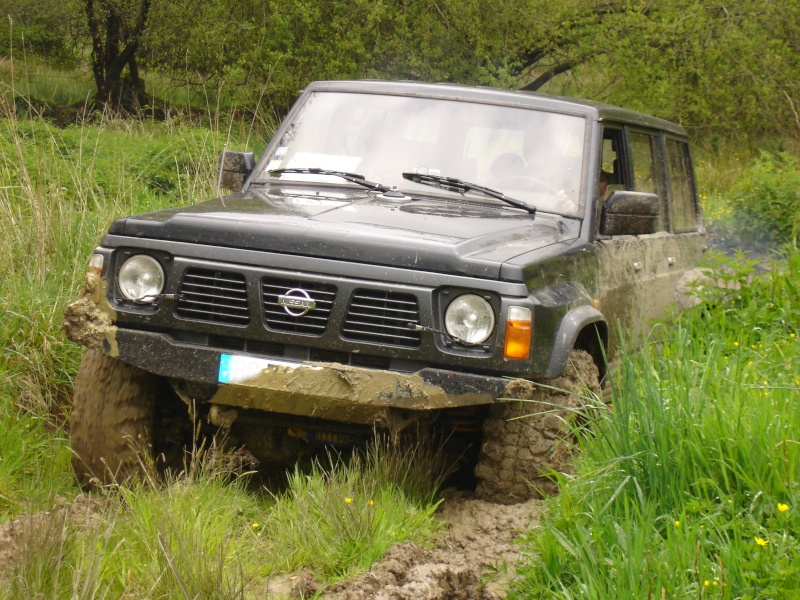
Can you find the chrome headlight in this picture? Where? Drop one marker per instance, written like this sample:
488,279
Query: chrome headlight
141,278
470,319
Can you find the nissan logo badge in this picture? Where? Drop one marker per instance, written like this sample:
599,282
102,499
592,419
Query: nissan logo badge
297,302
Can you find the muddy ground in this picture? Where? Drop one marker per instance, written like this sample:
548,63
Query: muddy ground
471,561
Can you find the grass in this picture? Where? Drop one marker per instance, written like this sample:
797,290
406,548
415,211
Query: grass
42,83
339,520
690,486
60,190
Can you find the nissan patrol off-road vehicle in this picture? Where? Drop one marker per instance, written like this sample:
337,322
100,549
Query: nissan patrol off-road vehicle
402,255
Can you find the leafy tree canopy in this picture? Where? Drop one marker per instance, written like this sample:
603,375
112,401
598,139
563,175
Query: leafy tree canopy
709,65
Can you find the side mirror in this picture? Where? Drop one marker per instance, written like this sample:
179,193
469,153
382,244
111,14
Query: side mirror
234,169
629,213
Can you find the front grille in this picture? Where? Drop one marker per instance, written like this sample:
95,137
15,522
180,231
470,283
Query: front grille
215,296
313,322
382,317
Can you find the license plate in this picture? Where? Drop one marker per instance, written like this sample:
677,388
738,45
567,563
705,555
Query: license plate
234,368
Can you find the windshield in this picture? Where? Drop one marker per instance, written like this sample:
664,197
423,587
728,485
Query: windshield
531,155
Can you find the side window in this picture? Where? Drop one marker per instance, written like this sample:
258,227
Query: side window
684,206
643,148
648,171
610,177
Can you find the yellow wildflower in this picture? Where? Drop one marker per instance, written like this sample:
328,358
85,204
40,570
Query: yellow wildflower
783,507
706,583
735,344
348,500
761,542
255,526
791,335
677,523
371,502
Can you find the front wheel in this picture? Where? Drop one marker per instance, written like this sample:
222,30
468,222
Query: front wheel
117,416
527,437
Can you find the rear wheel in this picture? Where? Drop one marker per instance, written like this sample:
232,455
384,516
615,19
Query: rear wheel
123,418
525,440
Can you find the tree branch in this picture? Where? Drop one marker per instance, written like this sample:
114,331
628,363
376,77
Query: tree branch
550,74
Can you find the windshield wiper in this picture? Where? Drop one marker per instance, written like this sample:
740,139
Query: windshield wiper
451,184
351,177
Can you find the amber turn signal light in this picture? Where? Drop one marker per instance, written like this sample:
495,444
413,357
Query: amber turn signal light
518,333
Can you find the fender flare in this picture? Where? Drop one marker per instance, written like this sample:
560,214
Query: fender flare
568,330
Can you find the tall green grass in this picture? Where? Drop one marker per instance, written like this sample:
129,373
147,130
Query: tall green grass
690,486
60,190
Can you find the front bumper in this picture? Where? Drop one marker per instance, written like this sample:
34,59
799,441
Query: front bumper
327,391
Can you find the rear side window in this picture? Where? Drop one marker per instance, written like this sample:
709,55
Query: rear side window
683,206
644,163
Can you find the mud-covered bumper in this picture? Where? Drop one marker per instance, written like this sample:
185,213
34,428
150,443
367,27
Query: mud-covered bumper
328,391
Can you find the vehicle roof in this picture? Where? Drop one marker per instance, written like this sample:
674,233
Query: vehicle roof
590,108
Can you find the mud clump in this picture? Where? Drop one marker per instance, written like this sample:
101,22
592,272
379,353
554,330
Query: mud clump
88,320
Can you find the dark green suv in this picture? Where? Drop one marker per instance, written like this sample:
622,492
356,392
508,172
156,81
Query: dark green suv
402,254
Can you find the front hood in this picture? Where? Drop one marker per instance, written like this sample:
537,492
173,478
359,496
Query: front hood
427,233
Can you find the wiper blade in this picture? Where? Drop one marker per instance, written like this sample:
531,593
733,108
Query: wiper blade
351,177
452,184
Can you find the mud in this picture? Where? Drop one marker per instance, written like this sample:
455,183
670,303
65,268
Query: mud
31,534
334,392
89,320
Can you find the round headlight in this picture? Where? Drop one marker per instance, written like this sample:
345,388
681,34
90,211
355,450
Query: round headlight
141,278
469,318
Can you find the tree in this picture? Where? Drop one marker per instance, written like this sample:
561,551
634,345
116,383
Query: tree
115,29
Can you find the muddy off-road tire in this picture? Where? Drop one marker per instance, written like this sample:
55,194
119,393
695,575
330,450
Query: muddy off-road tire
116,426
524,441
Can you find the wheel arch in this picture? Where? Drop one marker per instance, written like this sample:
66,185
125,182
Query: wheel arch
582,328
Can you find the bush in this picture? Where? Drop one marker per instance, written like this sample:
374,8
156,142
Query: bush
767,198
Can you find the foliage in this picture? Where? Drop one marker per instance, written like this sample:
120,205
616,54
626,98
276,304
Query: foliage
689,486
766,198
720,70
28,30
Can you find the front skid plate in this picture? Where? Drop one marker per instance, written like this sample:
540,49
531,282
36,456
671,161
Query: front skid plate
321,390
